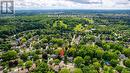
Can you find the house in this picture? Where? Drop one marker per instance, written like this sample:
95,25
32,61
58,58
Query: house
18,41
61,64
107,63
32,67
122,56
56,68
54,56
70,59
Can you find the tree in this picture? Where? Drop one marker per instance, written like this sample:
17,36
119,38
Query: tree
57,51
59,25
86,50
56,61
117,47
50,72
57,41
65,58
87,59
13,63
126,52
38,51
20,62
62,25
45,56
119,68
94,60
28,64
97,65
71,51
78,28
64,70
125,71
29,35
35,57
114,62
78,61
90,21
106,46
127,63
9,55
24,56
108,55
89,69
99,53
5,46
42,67
23,40
108,69
78,70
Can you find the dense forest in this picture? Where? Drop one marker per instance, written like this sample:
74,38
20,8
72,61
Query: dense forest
42,44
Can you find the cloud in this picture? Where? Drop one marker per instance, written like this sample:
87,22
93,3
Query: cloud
88,1
124,2
72,4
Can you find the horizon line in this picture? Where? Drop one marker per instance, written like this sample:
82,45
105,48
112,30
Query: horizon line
69,9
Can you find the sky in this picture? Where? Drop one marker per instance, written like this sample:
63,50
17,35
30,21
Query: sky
71,4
